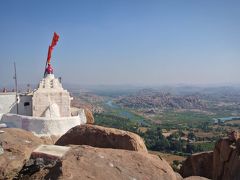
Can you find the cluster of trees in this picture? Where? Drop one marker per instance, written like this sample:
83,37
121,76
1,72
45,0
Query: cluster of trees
153,137
205,126
155,141
110,120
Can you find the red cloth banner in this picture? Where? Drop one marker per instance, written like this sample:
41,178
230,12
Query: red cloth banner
55,39
50,49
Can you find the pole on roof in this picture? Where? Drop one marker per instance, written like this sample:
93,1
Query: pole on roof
16,85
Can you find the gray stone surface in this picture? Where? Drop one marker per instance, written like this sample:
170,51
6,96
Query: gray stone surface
50,151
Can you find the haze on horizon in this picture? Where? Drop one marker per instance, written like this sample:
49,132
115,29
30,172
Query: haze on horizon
122,42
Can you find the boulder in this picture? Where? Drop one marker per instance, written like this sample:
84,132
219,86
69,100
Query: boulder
98,136
16,146
89,116
226,160
86,162
221,164
200,164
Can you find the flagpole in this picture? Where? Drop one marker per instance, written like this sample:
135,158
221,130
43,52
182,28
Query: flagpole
45,69
16,85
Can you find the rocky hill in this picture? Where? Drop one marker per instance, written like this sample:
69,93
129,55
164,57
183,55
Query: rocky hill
85,162
23,157
155,99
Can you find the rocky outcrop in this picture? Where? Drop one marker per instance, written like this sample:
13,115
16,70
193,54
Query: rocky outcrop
21,157
16,146
89,116
98,136
221,164
200,164
226,160
85,162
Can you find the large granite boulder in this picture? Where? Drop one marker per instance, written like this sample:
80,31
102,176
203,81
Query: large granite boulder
102,137
221,164
16,146
86,162
200,164
226,160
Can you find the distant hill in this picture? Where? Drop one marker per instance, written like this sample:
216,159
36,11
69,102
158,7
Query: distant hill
149,98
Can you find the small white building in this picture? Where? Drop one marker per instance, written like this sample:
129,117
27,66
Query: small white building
50,99
45,111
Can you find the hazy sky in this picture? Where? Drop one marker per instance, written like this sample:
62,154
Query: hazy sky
122,42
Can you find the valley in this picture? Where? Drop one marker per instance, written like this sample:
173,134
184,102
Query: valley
179,122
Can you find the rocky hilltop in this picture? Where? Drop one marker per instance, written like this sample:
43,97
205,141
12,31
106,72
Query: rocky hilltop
109,154
85,162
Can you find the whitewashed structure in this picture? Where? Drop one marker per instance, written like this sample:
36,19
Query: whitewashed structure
8,103
46,111
50,99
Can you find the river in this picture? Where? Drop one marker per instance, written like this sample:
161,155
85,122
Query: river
122,112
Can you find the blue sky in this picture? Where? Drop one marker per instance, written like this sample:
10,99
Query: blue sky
122,42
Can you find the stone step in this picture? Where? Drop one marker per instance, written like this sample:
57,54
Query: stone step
50,152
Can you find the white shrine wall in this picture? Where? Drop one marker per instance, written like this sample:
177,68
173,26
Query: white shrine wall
8,104
43,126
25,105
50,97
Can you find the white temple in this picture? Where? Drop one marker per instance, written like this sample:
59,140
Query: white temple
45,111
50,99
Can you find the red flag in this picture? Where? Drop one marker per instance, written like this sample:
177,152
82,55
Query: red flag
54,43
50,49
55,39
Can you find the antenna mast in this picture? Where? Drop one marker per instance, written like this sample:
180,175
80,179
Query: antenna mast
16,85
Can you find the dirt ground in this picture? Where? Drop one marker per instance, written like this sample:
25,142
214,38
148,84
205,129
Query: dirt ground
168,157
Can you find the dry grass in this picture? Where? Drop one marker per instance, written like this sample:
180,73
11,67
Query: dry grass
232,122
168,157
